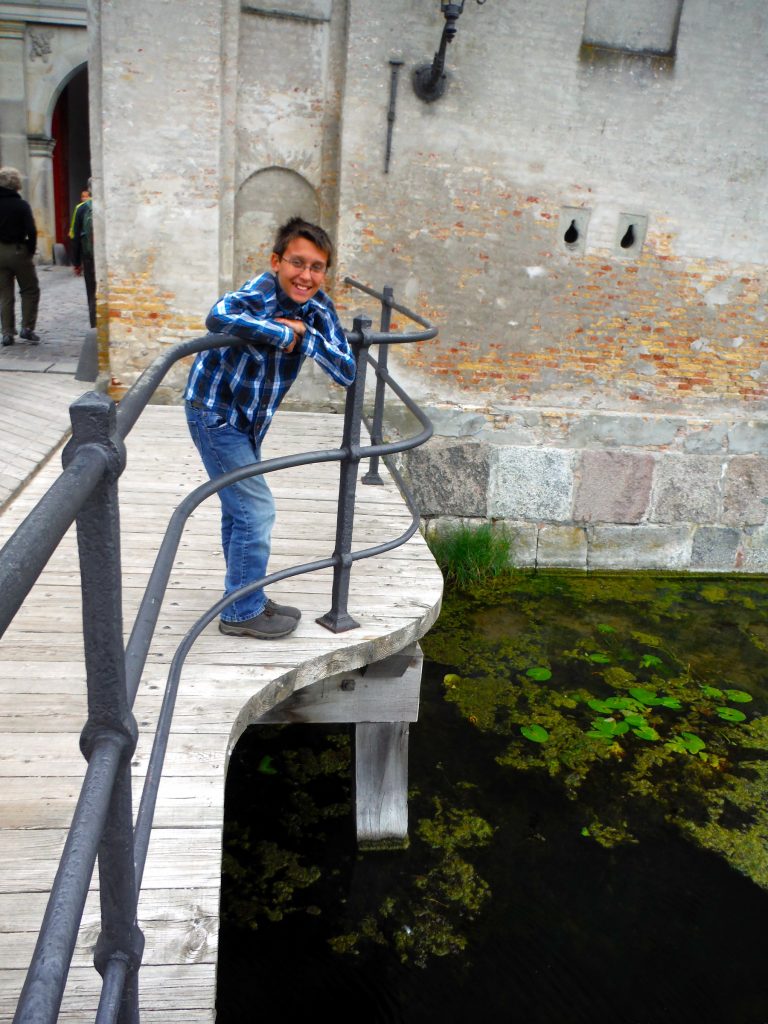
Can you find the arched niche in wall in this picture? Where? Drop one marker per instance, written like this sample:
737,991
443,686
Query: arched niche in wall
263,202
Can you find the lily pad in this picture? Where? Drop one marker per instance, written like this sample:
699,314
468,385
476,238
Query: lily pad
595,735
693,743
535,733
711,691
646,732
600,705
686,743
539,673
608,727
731,714
670,702
451,679
600,658
645,696
636,721
738,696
620,703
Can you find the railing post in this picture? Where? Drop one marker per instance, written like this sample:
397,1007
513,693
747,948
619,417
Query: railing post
110,721
338,619
373,476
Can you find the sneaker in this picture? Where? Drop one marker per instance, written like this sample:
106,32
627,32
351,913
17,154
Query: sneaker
282,609
27,334
266,626
7,340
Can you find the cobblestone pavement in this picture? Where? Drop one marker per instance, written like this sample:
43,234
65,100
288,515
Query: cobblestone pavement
61,324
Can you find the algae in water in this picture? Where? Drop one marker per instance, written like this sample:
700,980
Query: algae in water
643,696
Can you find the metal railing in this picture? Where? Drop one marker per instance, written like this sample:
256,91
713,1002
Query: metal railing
86,493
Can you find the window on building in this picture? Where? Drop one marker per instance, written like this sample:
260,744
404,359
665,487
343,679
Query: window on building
633,26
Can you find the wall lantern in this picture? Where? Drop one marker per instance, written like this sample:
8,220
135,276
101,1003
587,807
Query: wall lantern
430,80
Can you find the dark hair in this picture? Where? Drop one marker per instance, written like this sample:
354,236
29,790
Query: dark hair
297,227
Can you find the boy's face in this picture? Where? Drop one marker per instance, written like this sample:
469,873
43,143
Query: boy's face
301,269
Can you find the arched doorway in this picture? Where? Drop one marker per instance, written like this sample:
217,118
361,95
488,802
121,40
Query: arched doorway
72,152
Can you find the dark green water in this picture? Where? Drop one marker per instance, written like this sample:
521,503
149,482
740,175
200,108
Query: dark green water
611,867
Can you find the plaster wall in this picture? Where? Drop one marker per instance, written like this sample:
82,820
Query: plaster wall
157,107
468,224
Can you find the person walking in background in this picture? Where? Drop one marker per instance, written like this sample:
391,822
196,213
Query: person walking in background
18,241
82,251
84,195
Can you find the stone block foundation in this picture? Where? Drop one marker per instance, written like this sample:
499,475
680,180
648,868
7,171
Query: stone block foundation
605,491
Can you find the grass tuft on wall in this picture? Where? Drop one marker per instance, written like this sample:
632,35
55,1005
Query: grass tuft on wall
471,554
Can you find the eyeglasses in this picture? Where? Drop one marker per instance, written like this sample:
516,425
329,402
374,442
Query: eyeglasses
316,269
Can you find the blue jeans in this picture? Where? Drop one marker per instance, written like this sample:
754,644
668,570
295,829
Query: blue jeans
247,508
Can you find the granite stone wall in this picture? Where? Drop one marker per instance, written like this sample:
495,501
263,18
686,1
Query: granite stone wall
605,491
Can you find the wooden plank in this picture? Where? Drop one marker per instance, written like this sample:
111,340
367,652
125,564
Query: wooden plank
183,801
227,684
179,926
193,854
163,989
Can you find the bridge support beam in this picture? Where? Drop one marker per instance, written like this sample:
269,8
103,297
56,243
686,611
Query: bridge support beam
380,700
381,785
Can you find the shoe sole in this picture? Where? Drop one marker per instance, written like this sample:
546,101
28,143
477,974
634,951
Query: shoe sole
231,629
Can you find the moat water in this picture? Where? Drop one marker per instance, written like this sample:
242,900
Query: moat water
588,823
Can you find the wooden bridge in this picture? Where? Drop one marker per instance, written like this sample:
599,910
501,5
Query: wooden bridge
227,684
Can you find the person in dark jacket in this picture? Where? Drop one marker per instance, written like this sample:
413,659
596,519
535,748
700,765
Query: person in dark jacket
18,241
82,250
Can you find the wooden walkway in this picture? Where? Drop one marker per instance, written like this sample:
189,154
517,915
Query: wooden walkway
35,416
227,683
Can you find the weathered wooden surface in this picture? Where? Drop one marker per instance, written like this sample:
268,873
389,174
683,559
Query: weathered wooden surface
34,419
360,695
228,683
381,784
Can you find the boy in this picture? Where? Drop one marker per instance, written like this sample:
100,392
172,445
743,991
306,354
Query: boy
232,394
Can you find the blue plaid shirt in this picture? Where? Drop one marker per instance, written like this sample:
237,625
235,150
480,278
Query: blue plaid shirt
246,385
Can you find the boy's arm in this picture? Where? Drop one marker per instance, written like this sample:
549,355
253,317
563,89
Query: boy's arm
326,343
247,314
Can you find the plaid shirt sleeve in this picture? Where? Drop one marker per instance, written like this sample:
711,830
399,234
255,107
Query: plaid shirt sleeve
248,314
325,341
